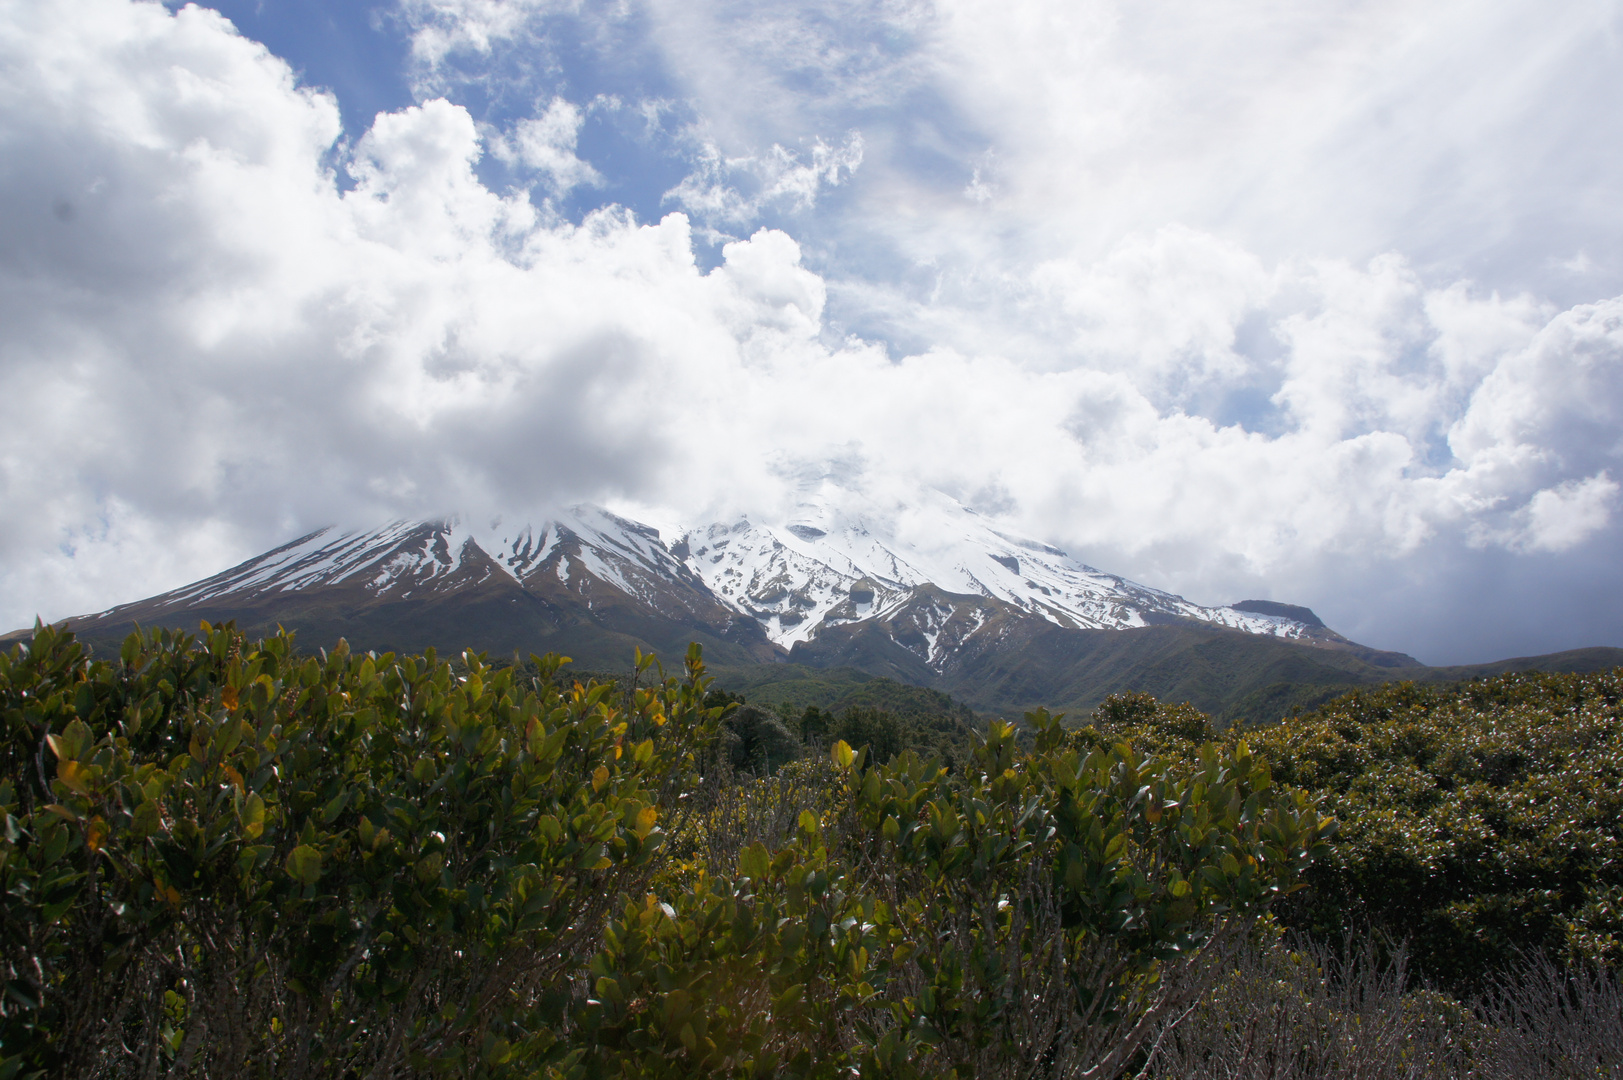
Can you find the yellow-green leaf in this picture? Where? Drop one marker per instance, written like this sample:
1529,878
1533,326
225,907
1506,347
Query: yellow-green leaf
304,864
72,742
76,776
253,816
754,861
331,811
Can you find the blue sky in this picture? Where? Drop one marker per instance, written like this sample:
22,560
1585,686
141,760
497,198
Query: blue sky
1240,299
357,50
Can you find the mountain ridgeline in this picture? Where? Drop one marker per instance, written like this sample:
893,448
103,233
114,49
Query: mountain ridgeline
1001,623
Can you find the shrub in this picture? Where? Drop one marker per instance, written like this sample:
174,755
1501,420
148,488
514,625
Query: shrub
223,858
761,742
1478,820
1292,1009
227,859
1035,911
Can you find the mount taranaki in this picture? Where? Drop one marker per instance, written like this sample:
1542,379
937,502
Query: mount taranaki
1000,622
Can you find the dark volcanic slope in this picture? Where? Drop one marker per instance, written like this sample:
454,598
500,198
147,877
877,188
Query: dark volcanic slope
593,593
1013,663
1577,661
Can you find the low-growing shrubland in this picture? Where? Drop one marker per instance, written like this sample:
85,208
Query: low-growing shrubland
229,858
225,858
1478,821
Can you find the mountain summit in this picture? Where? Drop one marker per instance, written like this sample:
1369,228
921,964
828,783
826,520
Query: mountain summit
947,600
805,577
765,590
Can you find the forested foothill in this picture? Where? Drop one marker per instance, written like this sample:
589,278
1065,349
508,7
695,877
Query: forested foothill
232,858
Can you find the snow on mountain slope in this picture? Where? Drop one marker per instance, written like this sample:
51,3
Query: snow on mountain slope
824,568
396,560
795,579
587,544
584,548
821,569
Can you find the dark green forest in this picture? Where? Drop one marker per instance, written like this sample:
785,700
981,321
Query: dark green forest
226,857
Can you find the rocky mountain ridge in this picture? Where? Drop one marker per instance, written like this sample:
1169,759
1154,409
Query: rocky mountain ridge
948,601
958,584
803,577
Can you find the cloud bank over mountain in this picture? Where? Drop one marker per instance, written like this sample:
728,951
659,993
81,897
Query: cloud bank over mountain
1224,299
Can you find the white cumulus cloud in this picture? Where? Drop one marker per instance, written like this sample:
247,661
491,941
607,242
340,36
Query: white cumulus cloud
546,143
734,190
1566,515
221,325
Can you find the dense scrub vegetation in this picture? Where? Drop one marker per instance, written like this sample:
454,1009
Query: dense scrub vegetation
1466,919
819,708
221,858
230,859
1479,820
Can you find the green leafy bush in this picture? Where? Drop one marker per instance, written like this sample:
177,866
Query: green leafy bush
752,974
1148,725
1478,820
220,858
230,859
757,741
1034,910
1063,901
885,734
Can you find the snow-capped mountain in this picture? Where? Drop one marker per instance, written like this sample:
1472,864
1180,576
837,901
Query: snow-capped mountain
584,551
931,594
584,583
825,569
941,584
